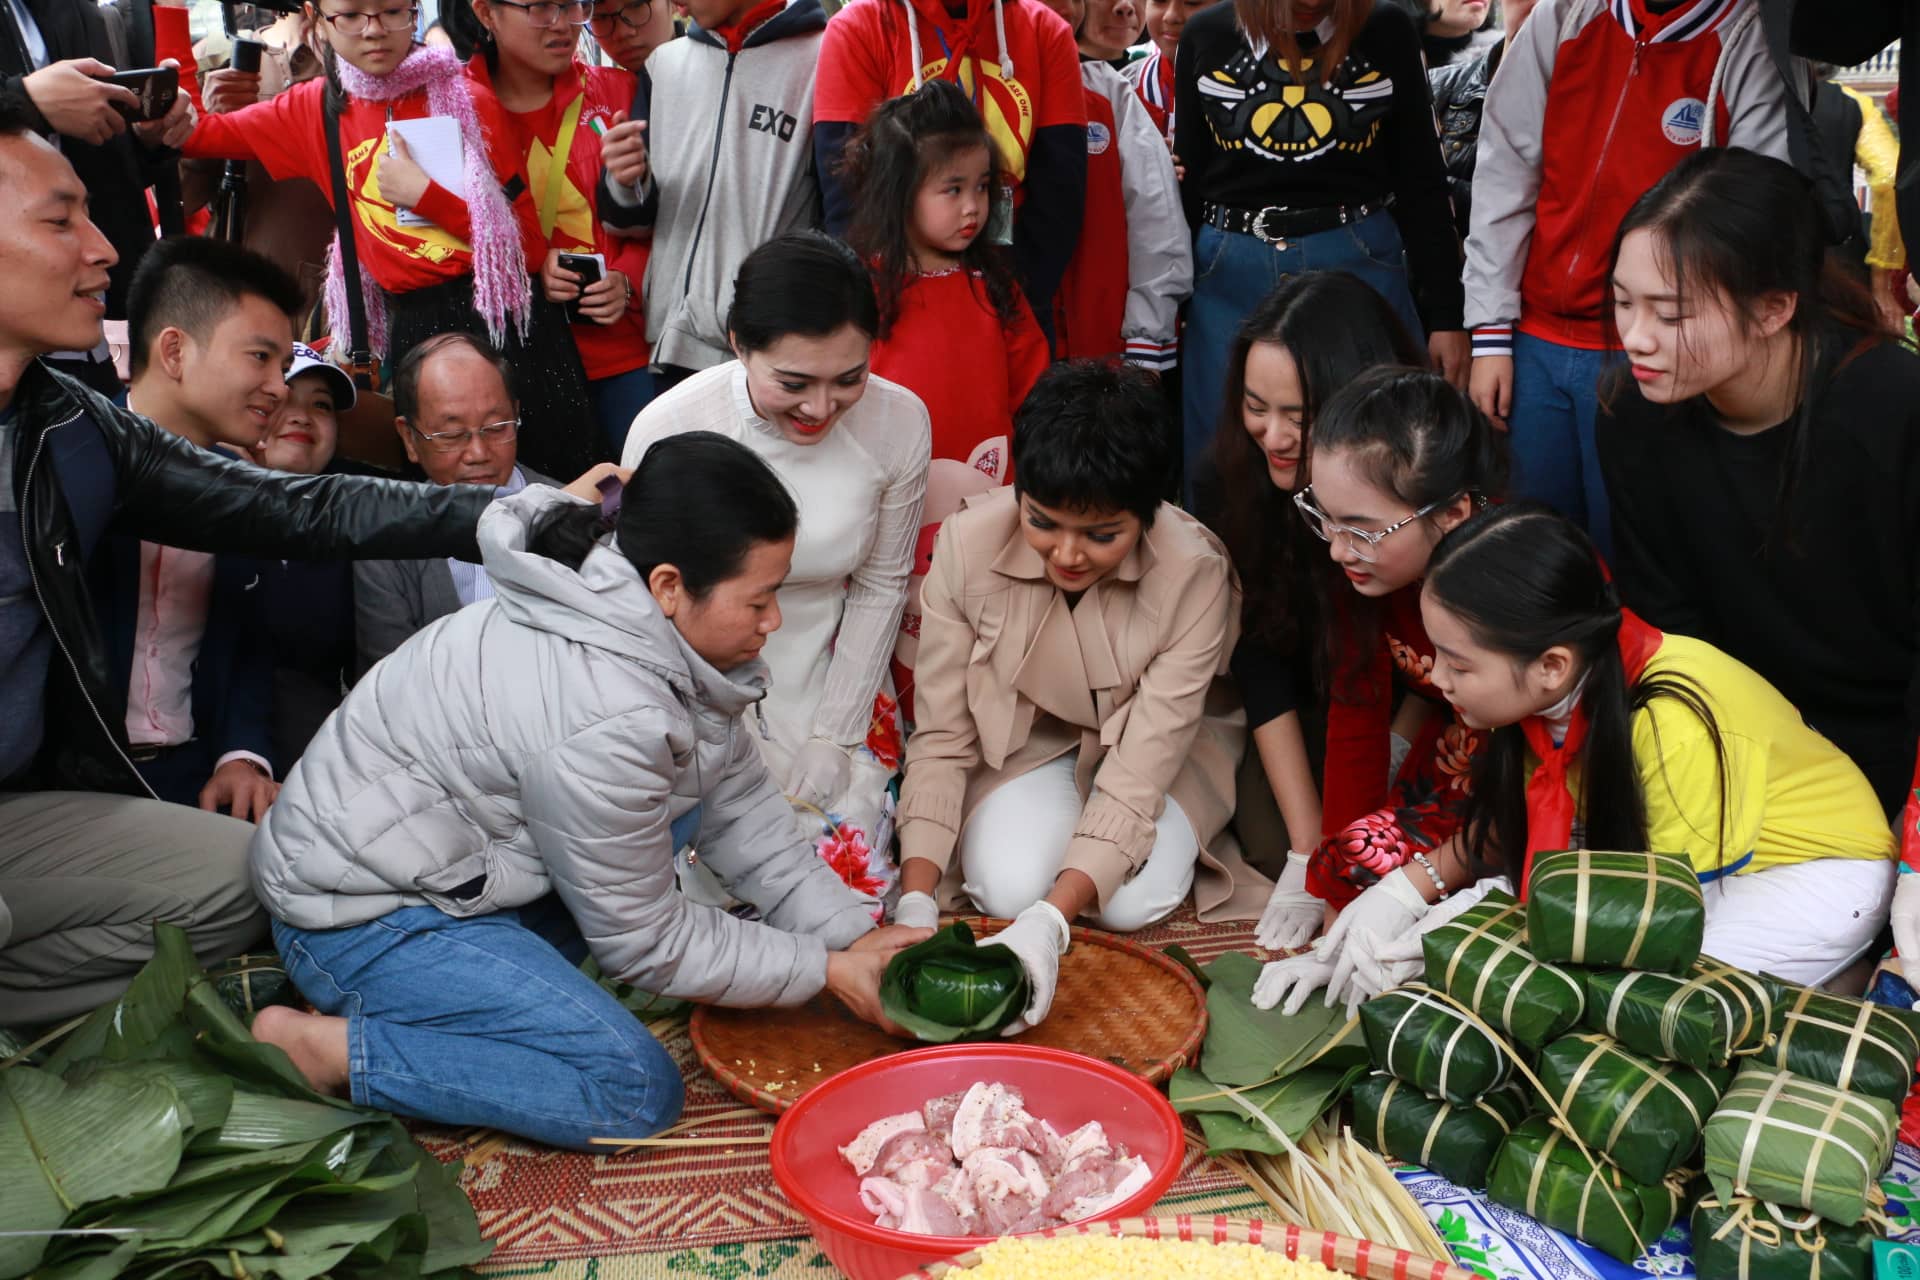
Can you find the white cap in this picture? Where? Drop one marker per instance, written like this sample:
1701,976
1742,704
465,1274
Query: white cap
306,359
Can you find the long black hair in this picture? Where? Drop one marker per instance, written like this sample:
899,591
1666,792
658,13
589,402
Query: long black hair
699,502
1413,435
805,283
1523,578
1335,327
903,141
1733,222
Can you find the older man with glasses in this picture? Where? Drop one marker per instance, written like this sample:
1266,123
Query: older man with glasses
459,422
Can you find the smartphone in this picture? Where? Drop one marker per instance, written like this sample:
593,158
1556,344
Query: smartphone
591,268
155,87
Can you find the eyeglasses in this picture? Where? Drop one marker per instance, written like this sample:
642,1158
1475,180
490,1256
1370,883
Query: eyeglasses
1363,543
546,14
355,23
456,441
633,17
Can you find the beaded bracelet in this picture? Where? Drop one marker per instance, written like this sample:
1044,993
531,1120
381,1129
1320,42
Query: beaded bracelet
1427,866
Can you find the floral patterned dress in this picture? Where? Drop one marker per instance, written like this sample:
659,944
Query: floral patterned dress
1425,803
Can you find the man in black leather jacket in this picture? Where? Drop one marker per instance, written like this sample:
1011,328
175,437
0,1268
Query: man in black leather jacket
88,860
1459,97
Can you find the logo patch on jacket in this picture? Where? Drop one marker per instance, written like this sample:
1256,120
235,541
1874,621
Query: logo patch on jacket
1684,121
774,121
1099,138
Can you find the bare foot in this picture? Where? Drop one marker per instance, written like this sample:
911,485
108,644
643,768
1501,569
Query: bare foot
317,1044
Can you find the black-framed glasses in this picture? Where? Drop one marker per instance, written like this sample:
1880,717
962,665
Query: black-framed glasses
634,17
1363,543
356,23
544,15
457,441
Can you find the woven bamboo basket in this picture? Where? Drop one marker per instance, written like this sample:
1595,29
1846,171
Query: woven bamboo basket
1117,1001
1360,1258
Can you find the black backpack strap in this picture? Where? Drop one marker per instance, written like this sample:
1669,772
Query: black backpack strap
360,361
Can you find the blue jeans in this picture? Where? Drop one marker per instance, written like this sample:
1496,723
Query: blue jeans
1555,401
1233,272
486,1021
617,400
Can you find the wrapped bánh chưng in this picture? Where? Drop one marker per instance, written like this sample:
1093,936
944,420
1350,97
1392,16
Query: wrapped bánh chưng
1643,1115
1854,1045
1615,910
948,988
1755,1240
1456,1142
1701,1018
1480,958
1799,1143
1541,1173
1413,1034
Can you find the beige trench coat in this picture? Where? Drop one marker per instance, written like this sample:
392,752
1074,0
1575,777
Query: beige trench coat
1009,677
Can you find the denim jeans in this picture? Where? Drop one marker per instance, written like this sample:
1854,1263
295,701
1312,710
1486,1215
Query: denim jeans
1233,272
1551,427
485,1021
617,401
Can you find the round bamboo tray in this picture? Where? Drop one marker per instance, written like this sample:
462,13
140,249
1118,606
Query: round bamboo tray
1117,1001
1361,1258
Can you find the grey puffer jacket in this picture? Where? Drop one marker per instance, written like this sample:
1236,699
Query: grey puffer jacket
546,740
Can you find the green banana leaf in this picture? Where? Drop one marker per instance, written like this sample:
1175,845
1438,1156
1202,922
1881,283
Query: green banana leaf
63,1146
1246,1119
1246,1045
947,988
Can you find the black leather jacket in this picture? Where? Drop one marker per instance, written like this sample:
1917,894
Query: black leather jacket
84,466
1459,97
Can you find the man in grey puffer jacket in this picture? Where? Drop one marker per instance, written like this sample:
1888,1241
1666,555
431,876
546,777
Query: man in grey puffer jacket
566,738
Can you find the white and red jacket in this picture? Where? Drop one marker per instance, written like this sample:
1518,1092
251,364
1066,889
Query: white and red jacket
1594,102
1133,266
1152,78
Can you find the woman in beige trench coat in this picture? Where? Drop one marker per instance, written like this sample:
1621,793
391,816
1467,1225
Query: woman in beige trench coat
1075,740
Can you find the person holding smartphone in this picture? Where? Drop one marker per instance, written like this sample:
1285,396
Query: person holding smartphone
528,54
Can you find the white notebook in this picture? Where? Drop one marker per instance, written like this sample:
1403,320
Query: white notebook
437,148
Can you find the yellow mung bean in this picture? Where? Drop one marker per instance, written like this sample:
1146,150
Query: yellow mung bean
1095,1257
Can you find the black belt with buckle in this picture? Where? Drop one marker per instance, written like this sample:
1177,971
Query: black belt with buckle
148,754
1276,224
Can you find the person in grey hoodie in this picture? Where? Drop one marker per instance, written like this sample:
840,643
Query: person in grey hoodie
507,791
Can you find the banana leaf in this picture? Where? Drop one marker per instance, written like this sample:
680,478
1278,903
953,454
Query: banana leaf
1458,1143
1246,1119
1480,958
1850,1044
65,1146
1540,1173
1754,1240
1799,1143
1645,1116
1615,910
1246,1045
1414,1035
1700,1018
948,988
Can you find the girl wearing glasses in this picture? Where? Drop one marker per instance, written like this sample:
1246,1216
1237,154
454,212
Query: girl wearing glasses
1311,336
1399,457
470,264
1605,733
528,55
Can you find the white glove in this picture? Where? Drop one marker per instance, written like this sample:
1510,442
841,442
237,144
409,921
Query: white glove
1398,749
917,911
1039,936
1293,915
1386,913
819,773
1292,979
1906,925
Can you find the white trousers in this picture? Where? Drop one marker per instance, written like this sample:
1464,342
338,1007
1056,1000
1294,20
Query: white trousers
1012,847
1804,922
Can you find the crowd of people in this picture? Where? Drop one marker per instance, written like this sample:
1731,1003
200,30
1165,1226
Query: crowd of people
717,498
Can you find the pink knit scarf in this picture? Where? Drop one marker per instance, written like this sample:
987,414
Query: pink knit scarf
501,290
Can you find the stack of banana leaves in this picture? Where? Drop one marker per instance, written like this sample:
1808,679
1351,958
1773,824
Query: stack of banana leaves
158,1137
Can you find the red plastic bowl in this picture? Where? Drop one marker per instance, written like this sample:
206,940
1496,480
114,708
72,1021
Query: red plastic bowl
1065,1088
